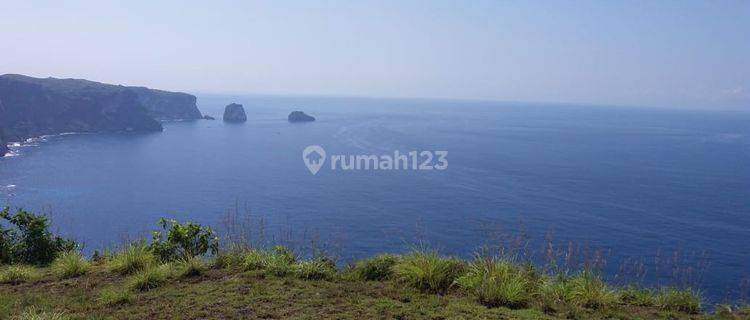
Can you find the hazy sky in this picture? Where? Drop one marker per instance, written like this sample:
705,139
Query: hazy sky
654,53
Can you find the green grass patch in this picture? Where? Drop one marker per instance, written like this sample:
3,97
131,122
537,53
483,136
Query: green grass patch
316,269
682,300
70,264
497,282
428,271
152,277
589,290
113,296
132,258
16,274
376,268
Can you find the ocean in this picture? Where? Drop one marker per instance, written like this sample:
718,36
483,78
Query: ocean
651,195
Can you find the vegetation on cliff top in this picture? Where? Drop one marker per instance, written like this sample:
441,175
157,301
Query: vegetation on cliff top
182,273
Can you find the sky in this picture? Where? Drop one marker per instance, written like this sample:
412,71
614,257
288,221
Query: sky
677,54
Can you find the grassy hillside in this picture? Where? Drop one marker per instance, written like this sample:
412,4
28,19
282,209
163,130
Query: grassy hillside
182,273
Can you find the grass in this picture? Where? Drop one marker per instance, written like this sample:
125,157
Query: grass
376,268
428,271
17,274
115,295
70,264
34,313
316,269
152,277
589,290
497,282
133,258
637,296
278,261
682,300
192,267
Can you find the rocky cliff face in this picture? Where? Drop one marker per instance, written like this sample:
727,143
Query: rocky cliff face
31,107
234,112
159,104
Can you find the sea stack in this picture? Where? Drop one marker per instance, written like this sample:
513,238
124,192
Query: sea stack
207,117
299,116
234,112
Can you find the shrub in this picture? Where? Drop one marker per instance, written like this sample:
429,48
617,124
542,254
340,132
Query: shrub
674,299
497,283
254,260
70,264
152,277
428,271
134,257
588,290
183,240
113,296
636,296
17,274
379,267
33,313
192,267
29,240
315,269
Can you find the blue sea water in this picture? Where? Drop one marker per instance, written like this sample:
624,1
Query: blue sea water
659,195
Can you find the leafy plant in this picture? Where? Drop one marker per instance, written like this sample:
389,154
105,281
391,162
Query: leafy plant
70,264
183,240
428,271
29,240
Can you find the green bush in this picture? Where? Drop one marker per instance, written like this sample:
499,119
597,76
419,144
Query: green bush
316,269
682,300
152,277
428,271
28,240
497,283
16,274
379,267
132,258
69,264
183,240
588,290
113,296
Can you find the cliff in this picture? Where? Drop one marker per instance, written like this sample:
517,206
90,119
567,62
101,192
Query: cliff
31,107
159,104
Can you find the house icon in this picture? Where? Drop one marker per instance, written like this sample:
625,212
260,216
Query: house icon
314,157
